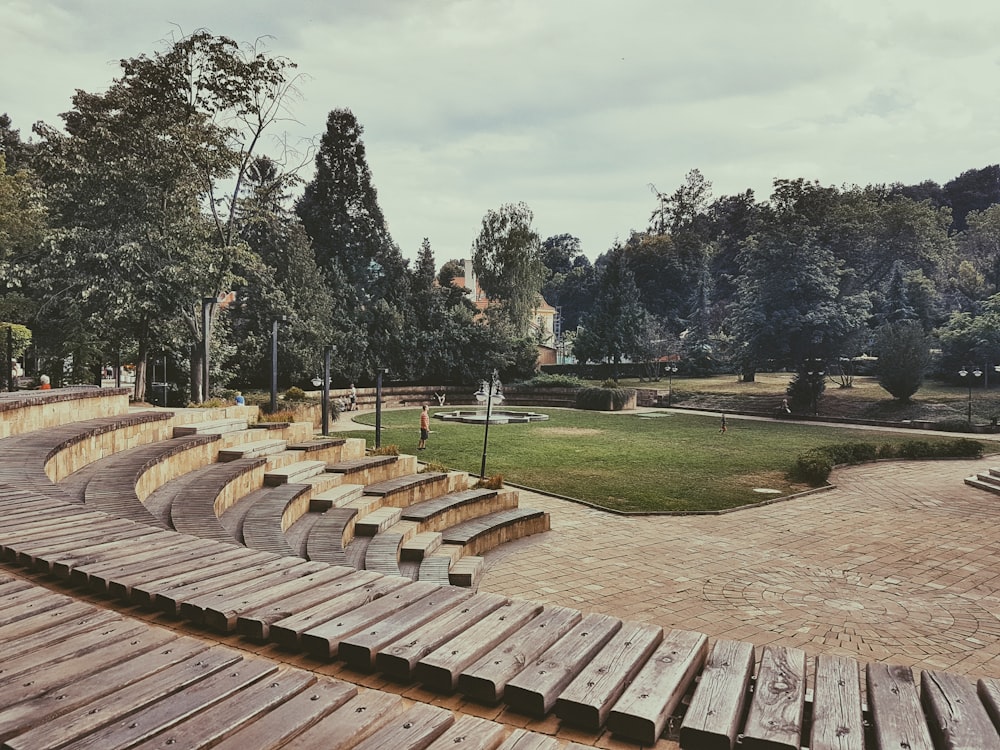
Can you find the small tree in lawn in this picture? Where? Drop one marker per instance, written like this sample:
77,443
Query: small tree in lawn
903,358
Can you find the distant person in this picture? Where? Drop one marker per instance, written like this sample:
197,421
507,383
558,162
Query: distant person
722,427
45,385
354,398
240,401
425,428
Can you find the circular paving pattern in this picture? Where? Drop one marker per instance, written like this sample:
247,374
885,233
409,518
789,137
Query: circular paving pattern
838,605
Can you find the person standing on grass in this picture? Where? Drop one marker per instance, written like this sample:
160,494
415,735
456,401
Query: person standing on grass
425,428
722,428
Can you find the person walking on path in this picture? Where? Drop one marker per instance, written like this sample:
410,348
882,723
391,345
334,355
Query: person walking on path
722,428
354,398
425,428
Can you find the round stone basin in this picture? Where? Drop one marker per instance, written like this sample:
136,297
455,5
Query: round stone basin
497,416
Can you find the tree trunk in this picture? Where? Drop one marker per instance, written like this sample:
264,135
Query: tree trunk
748,376
197,369
139,387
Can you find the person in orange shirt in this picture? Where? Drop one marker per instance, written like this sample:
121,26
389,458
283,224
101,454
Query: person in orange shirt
45,385
425,428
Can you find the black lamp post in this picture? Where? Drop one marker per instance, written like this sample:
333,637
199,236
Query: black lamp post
274,361
491,393
671,369
815,374
206,339
964,374
378,404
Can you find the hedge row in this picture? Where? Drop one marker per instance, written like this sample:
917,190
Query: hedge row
814,466
603,399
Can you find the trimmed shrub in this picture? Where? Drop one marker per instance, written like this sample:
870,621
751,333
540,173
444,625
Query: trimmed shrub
953,425
285,415
494,482
603,399
295,394
385,450
553,381
435,467
813,467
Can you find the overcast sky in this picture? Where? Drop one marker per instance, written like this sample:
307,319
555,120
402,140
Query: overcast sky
574,106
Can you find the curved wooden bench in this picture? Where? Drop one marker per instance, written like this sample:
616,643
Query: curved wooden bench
330,535
371,469
262,525
123,481
41,458
214,489
29,411
403,491
382,555
448,510
486,532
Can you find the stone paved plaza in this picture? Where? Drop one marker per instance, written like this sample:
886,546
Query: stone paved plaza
898,563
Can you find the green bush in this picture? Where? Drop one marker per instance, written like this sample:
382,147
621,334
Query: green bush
295,394
603,399
953,425
384,450
813,467
553,381
609,383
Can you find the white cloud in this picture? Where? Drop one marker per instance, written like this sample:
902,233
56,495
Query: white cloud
576,107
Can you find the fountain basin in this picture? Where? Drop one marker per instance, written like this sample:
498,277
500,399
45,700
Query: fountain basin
497,416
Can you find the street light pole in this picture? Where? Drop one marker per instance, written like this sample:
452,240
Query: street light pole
671,369
486,433
206,339
964,374
378,405
274,361
327,354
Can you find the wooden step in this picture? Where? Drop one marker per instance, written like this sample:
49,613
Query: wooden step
294,473
420,545
215,427
336,497
253,449
467,571
487,532
377,521
403,491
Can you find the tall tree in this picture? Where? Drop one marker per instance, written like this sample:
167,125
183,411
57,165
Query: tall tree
617,326
130,179
506,257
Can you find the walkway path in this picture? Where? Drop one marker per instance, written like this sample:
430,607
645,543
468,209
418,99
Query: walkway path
900,562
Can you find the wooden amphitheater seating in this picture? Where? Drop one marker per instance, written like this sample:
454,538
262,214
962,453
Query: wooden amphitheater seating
592,672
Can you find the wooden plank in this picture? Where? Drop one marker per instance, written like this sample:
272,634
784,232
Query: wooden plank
359,649
223,616
420,725
956,718
62,564
206,727
288,631
142,587
323,640
988,690
777,709
28,603
56,639
486,679
439,670
255,624
80,666
127,693
587,700
161,715
194,609
897,719
346,726
522,739
470,733
837,714
716,711
399,658
275,728
128,561
170,600
643,710
534,690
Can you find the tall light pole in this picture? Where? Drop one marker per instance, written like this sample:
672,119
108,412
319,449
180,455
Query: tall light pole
671,369
491,393
206,340
964,374
274,361
378,404
327,355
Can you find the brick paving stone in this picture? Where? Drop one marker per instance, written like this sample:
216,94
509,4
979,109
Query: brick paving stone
896,563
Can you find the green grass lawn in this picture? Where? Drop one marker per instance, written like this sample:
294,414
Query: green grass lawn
629,462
